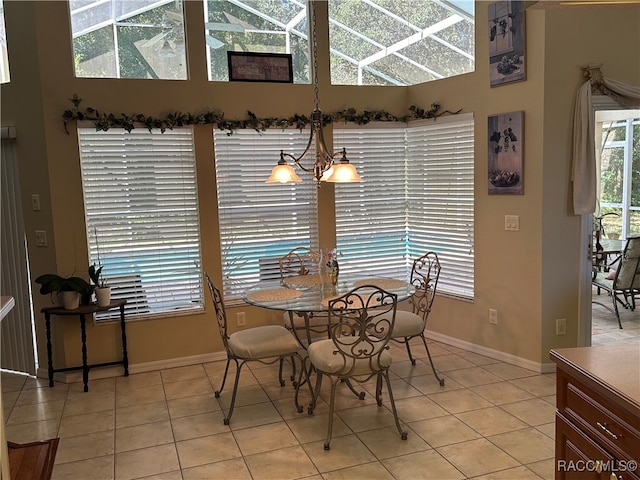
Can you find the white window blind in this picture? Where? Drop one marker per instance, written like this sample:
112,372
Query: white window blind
440,194
141,209
371,215
260,222
417,195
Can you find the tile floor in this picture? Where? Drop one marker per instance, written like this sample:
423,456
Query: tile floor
604,325
491,420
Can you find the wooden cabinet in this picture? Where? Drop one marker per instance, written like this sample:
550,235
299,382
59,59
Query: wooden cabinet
598,412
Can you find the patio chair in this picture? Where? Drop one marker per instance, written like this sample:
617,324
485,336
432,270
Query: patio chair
265,344
409,325
625,284
360,325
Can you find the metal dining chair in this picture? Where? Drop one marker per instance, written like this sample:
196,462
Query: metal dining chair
425,273
264,344
360,324
625,284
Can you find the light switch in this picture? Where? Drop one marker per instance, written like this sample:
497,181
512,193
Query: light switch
512,223
35,202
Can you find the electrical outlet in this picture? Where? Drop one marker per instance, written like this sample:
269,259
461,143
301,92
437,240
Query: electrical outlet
41,238
561,326
493,316
241,320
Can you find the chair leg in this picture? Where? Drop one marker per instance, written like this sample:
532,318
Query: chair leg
379,389
358,394
280,371
406,344
615,307
403,434
224,378
327,442
426,347
239,366
314,395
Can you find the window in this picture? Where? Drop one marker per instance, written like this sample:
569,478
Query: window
260,222
417,195
128,39
392,42
4,55
619,193
263,26
142,219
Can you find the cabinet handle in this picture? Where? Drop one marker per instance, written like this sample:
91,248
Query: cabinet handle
605,429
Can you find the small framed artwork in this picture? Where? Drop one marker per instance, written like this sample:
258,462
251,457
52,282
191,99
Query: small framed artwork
260,67
505,155
507,62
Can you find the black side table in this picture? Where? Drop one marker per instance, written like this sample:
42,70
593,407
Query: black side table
83,310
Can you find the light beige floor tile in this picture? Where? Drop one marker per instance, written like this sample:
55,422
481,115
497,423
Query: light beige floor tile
346,451
174,475
418,408
458,401
312,428
75,425
254,415
188,388
445,363
478,359
549,429
12,382
9,399
203,450
89,402
72,449
40,382
98,468
277,392
544,469
477,457
491,421
38,395
443,431
139,396
519,473
369,471
99,385
283,464
32,432
201,425
142,436
387,443
264,438
181,374
235,469
501,393
138,380
470,377
404,368
287,407
526,446
36,412
367,417
139,414
507,371
428,384
534,412
538,385
427,465
146,462
249,395
182,407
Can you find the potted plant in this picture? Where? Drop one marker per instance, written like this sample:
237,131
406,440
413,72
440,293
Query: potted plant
70,289
103,291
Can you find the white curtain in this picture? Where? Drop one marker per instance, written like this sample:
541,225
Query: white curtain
584,171
16,334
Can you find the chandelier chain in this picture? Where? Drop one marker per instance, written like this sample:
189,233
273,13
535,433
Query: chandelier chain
314,52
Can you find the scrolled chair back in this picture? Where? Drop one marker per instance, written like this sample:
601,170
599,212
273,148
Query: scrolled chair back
425,273
299,261
361,322
628,274
221,315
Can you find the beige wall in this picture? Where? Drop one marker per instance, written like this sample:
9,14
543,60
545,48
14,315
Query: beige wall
530,276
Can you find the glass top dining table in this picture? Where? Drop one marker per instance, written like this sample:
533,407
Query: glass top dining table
308,293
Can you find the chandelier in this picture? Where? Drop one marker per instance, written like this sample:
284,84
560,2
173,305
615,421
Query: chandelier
325,168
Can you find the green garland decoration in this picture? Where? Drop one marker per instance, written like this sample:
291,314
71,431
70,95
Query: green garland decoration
104,121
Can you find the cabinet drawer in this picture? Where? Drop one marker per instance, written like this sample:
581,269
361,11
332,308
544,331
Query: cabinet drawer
601,420
579,457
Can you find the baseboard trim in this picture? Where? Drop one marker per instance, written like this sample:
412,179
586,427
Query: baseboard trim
116,370
491,353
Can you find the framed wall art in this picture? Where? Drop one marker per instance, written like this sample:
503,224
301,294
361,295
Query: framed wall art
507,62
260,67
505,155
